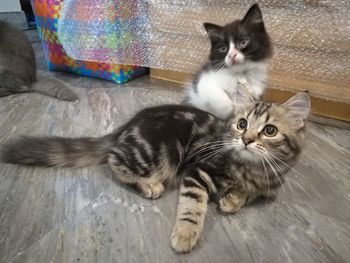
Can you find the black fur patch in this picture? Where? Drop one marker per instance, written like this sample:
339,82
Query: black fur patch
193,195
188,220
259,46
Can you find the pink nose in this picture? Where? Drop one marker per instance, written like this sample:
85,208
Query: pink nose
232,56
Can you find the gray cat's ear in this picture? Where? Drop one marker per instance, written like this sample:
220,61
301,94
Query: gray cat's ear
213,30
298,106
243,97
253,16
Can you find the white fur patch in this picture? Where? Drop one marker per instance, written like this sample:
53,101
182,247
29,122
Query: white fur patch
216,89
246,153
234,56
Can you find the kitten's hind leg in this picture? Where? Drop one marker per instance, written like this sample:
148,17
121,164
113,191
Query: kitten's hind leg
148,189
195,188
148,181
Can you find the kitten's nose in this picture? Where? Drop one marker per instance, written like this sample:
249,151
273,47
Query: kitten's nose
247,140
233,55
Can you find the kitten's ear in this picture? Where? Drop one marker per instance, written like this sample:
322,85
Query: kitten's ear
298,106
243,97
213,30
253,16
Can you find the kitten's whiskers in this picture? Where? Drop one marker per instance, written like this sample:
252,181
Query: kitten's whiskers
283,174
274,172
213,154
208,147
266,175
295,171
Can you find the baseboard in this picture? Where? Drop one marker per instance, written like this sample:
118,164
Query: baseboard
321,107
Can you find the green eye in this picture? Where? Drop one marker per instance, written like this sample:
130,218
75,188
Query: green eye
270,130
243,42
242,124
222,48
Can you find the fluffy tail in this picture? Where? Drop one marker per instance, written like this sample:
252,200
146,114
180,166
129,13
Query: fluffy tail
54,88
57,151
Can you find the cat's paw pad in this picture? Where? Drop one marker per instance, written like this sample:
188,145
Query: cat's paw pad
231,203
184,237
153,190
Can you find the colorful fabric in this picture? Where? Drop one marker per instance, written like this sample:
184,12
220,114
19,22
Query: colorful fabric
47,14
105,30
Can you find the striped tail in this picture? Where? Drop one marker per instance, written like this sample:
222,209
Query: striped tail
57,151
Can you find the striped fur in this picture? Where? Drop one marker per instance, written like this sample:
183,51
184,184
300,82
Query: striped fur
191,210
57,151
164,145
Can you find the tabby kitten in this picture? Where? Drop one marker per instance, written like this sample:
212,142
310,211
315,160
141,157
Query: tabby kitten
239,53
232,162
18,68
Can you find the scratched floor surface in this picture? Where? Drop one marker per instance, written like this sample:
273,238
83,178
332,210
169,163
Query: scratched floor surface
62,215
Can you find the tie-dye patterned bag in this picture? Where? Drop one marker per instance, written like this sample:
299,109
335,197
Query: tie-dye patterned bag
47,14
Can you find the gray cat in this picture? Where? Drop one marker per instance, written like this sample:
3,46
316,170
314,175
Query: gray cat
18,68
231,162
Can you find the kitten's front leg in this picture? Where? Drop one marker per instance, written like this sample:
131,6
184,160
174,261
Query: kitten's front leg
232,200
256,87
192,208
236,197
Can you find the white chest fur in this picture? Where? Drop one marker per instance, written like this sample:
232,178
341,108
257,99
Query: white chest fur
215,90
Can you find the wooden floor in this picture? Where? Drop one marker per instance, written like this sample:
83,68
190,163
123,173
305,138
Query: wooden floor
62,215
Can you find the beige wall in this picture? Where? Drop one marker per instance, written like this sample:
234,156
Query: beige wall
10,6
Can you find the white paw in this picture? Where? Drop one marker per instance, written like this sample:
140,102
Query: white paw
230,203
184,237
153,191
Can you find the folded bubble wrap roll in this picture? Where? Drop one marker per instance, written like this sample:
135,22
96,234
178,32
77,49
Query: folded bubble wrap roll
47,14
311,37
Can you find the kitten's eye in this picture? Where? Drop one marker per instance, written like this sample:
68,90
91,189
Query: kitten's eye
270,130
242,124
244,42
222,48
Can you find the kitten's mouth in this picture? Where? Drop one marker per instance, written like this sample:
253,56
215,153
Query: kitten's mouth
246,154
246,149
233,63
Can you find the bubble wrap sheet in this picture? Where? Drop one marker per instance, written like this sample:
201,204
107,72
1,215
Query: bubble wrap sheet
311,37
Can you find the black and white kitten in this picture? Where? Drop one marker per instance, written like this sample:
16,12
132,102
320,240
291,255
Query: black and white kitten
240,52
18,68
